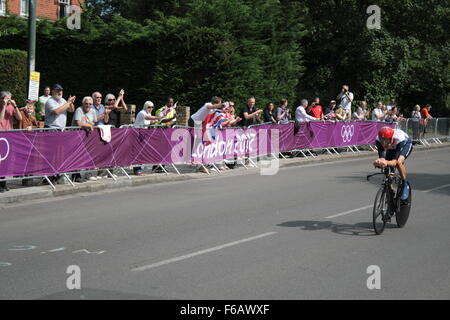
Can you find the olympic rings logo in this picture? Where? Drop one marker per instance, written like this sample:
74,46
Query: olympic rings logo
347,133
2,158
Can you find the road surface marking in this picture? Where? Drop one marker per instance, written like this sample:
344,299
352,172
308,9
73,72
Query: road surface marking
348,212
187,256
441,187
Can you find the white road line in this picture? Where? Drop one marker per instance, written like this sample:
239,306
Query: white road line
441,187
187,256
348,212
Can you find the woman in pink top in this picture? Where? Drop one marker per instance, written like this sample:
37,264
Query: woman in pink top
8,110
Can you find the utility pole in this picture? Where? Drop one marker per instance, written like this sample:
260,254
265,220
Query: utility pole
31,40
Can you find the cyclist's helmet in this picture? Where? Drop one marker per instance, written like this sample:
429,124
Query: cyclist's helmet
386,135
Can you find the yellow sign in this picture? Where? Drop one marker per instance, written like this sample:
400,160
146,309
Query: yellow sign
35,76
33,87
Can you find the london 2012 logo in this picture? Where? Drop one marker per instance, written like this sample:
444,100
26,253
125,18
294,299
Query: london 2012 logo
4,152
347,133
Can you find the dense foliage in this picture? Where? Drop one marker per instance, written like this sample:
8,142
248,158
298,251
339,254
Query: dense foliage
13,71
270,49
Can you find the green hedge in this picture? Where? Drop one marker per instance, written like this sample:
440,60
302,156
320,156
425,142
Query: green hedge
13,73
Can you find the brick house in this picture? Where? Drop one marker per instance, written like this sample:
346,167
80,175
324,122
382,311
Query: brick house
45,9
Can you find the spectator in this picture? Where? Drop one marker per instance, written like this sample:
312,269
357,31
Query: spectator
329,112
100,110
201,114
28,121
425,113
391,105
346,98
269,113
56,109
85,117
250,115
283,113
112,104
359,114
8,110
143,120
300,113
366,111
341,114
415,119
167,114
231,116
207,108
391,116
316,109
144,117
40,112
377,113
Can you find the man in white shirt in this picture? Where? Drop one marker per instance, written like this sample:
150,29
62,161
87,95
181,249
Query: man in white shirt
300,113
377,113
391,105
346,98
209,107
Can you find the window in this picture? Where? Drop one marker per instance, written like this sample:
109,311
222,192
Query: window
2,7
24,10
64,6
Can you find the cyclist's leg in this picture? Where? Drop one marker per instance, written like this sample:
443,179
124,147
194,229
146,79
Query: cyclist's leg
401,156
401,167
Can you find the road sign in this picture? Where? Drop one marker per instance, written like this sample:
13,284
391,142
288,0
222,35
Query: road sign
33,87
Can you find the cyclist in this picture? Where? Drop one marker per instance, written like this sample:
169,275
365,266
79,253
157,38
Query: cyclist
394,147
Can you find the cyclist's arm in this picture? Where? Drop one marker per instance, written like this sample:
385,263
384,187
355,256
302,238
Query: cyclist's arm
381,151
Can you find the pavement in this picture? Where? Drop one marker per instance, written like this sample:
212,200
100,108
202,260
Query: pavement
304,233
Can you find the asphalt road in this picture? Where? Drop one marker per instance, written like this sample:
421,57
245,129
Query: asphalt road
235,237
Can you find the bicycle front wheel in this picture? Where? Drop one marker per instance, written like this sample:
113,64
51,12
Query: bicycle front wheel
380,208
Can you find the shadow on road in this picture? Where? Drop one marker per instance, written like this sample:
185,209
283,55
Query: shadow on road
418,181
362,229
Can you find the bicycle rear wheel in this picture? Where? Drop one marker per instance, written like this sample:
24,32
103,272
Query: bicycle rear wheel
380,208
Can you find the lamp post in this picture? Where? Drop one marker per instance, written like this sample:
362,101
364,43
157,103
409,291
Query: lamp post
31,40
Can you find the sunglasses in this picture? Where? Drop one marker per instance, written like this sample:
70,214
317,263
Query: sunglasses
111,99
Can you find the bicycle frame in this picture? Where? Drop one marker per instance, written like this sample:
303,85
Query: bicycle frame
389,179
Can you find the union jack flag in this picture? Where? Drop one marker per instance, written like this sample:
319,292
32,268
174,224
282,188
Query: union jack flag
211,123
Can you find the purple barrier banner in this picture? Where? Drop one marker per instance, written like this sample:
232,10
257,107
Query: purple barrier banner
49,153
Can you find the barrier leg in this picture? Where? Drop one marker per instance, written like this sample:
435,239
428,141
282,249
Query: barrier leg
251,161
243,163
335,151
68,179
309,151
163,169
281,154
356,148
178,172
49,182
215,167
125,173
111,175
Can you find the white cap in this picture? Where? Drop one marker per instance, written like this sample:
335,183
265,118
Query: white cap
148,104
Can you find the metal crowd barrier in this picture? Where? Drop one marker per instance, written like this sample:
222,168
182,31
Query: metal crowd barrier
422,131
